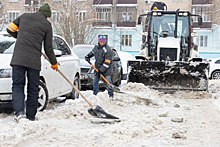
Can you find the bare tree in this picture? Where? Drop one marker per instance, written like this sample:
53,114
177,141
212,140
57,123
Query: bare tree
215,12
73,20
2,14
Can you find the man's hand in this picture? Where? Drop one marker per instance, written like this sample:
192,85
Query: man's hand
87,58
55,66
99,72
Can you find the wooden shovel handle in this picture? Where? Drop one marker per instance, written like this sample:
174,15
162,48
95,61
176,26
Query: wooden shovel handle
73,86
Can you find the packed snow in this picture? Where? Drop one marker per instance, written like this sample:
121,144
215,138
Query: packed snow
148,118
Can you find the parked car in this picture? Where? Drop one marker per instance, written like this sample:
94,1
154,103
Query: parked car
6,40
125,56
87,72
214,68
52,84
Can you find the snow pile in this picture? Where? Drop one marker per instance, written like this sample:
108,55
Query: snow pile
147,118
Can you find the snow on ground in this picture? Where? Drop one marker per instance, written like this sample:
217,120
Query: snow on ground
148,118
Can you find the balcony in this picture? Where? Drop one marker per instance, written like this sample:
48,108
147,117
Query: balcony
127,2
204,25
126,16
102,24
28,2
202,2
97,2
126,24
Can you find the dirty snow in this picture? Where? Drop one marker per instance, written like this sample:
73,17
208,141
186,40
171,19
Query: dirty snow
148,118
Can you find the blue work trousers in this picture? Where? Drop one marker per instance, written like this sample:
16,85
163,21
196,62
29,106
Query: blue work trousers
19,74
96,84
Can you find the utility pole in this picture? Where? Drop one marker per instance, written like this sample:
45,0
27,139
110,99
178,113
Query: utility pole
32,3
114,21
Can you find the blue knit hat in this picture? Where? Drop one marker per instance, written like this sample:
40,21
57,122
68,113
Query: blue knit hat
102,38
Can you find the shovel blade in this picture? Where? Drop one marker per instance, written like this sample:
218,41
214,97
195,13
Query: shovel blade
113,88
98,112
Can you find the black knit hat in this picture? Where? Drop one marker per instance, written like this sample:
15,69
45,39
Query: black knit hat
45,9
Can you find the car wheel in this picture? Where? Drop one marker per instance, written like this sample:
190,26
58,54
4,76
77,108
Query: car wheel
73,93
42,96
216,75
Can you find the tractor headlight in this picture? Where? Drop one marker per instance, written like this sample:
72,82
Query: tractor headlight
144,33
5,73
194,34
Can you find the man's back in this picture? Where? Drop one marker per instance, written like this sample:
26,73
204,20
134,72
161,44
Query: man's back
33,29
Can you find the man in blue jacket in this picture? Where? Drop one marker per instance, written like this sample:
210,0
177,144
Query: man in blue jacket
34,28
103,62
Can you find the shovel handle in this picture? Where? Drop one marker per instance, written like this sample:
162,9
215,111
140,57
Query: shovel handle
100,74
73,86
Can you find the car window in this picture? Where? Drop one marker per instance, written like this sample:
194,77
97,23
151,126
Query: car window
54,44
5,45
9,50
115,54
61,45
82,51
5,42
217,62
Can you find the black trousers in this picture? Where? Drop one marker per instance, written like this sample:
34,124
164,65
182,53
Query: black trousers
19,74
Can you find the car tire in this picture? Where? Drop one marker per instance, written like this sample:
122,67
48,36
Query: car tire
42,96
215,75
73,95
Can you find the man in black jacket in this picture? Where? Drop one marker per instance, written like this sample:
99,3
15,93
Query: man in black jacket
34,28
103,62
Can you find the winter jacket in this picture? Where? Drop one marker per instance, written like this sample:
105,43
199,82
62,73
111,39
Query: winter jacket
103,58
34,28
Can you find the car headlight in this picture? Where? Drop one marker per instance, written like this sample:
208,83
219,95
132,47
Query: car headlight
82,77
5,73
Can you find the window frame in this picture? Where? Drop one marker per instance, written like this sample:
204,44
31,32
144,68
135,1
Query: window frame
202,40
55,16
103,14
10,19
126,14
203,11
126,40
13,1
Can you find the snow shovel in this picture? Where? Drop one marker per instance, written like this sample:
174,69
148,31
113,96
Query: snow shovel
116,89
109,86
96,110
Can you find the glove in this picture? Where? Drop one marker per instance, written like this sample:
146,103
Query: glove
99,72
87,58
55,66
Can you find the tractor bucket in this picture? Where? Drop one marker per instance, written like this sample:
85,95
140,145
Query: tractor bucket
169,75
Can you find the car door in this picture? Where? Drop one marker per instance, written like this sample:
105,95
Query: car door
56,84
116,67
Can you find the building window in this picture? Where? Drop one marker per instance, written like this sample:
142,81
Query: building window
126,40
81,16
12,16
126,14
205,41
103,14
13,0
202,41
30,9
55,16
202,11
